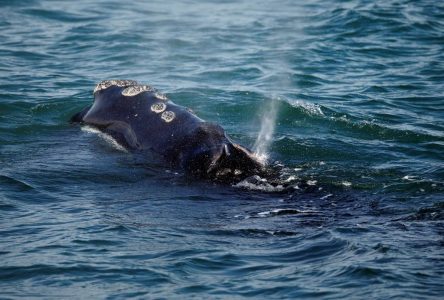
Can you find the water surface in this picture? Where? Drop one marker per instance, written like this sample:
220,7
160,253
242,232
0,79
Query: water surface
359,89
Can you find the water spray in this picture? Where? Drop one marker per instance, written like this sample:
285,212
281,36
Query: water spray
268,123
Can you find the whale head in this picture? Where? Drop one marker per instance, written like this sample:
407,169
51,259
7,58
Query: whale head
211,154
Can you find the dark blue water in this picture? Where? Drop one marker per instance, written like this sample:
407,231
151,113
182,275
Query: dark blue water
359,87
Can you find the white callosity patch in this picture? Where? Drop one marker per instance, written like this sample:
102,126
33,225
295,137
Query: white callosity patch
160,96
107,83
168,116
136,90
158,107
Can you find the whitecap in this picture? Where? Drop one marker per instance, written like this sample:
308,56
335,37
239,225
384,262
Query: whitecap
256,183
284,211
310,108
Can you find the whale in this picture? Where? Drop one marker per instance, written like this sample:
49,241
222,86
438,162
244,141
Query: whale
141,119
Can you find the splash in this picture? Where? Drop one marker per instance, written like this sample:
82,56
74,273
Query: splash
257,183
268,124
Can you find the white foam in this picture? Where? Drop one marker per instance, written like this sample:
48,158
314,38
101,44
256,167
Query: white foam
261,157
291,178
284,210
310,108
409,178
256,183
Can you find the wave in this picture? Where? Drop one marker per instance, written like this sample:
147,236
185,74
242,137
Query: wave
303,113
432,213
16,184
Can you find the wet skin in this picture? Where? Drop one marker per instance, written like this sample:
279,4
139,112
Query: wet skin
141,119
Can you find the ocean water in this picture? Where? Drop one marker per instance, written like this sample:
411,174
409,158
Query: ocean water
354,91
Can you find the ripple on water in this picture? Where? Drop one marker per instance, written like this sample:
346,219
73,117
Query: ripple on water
355,207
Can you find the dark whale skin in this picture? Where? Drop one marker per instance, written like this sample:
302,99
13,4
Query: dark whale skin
141,119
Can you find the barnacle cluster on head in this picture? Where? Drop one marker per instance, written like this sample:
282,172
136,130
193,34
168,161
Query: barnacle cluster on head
133,88
136,90
158,107
168,116
107,83
160,96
